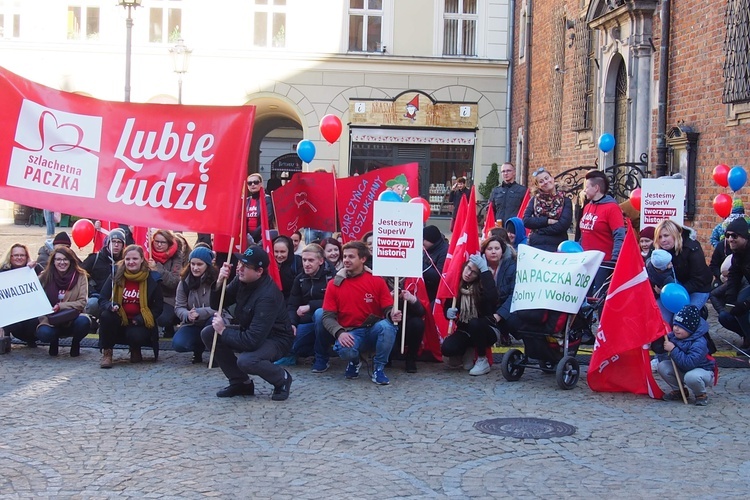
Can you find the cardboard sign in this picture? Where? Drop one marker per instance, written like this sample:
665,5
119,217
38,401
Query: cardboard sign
397,239
662,199
21,296
553,281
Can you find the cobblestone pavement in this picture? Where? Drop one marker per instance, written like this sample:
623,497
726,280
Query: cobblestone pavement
156,430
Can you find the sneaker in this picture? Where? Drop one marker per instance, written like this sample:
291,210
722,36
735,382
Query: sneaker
243,389
379,377
454,363
290,360
672,396
482,367
468,359
654,364
352,370
319,366
701,399
281,393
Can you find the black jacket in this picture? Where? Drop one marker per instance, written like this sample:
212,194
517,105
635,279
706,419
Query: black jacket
690,267
256,234
99,265
506,200
543,236
432,265
153,290
307,291
260,315
488,297
288,271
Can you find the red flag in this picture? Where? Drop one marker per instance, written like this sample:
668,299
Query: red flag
221,241
267,244
430,338
141,237
305,201
101,234
630,320
172,166
355,196
464,242
489,221
524,204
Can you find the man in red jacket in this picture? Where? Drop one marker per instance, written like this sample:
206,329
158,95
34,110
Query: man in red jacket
354,308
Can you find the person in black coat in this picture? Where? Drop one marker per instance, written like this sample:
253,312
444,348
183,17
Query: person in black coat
433,259
263,332
548,214
290,264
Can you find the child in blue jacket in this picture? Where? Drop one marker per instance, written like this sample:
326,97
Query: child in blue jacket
687,346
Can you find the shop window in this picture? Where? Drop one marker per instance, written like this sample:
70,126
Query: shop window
365,25
269,23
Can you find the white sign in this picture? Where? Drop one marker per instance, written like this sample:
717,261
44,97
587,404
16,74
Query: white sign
397,239
662,199
21,296
553,281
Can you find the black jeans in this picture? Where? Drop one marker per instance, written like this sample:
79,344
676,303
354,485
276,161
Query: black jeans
112,332
478,333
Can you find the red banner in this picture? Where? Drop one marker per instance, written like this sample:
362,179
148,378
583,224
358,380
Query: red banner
160,165
305,201
356,194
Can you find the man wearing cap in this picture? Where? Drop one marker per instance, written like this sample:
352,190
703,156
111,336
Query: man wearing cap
253,208
737,291
100,266
354,308
506,198
262,334
433,259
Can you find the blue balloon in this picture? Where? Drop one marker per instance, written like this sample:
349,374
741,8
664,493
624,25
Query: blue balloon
389,195
736,178
306,151
606,142
674,297
569,246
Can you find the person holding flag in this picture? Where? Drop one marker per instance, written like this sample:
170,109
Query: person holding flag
254,207
435,251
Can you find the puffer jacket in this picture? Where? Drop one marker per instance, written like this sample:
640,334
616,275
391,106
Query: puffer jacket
310,291
690,266
692,352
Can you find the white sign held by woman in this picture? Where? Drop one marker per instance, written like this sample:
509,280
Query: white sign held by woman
21,296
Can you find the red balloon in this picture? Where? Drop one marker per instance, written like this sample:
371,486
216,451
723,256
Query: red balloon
83,232
723,205
720,174
426,209
635,198
330,128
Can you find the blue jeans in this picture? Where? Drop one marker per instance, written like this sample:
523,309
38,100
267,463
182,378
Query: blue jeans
315,234
188,337
304,341
697,299
78,330
49,219
379,336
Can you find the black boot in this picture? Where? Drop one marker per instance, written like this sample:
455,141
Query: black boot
75,348
197,357
54,346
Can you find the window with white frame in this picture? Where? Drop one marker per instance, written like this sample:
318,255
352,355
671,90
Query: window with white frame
365,25
83,22
269,23
164,21
10,19
460,19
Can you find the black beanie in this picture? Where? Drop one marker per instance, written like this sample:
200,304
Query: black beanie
61,238
689,318
432,234
738,226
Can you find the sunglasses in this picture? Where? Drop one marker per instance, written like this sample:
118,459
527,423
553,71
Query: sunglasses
538,171
253,183
731,236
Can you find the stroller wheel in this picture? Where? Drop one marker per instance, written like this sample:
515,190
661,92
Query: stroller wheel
511,366
547,366
567,373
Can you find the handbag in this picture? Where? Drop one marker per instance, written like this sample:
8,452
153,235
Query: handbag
62,317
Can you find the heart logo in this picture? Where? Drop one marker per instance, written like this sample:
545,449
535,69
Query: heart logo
66,136
300,198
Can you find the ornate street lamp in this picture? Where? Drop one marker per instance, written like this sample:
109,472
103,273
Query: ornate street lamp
130,5
181,57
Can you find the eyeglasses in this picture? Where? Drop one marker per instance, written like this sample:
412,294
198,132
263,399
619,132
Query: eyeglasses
253,183
161,242
61,261
731,236
538,171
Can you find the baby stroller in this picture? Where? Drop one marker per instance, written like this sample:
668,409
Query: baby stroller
551,340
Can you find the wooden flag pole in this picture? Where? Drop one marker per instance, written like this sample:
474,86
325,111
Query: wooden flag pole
221,306
677,376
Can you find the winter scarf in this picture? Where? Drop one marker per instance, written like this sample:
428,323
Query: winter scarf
141,277
468,305
549,205
162,257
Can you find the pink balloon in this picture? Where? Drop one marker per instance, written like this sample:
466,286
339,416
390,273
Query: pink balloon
426,209
83,232
330,128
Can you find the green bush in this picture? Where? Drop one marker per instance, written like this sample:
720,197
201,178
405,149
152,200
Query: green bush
492,181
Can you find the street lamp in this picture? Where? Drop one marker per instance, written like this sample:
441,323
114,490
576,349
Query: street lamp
181,57
128,4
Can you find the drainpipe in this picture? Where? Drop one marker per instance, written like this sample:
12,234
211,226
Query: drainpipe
508,97
661,121
527,113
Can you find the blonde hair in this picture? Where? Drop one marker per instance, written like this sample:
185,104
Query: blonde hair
672,229
6,262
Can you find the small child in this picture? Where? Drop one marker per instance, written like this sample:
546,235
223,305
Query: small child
687,346
659,268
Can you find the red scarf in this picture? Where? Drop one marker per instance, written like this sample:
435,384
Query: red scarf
162,257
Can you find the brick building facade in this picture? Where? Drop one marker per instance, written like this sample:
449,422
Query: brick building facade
595,67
